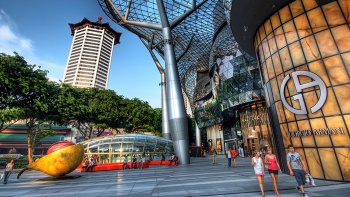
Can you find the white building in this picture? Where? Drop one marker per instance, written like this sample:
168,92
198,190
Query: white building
90,55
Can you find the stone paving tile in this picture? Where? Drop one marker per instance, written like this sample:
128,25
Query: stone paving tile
200,178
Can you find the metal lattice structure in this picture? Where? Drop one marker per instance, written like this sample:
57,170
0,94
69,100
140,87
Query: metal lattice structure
196,31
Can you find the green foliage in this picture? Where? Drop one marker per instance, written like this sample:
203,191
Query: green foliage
8,115
39,134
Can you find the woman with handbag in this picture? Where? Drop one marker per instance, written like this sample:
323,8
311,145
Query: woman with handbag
273,168
8,171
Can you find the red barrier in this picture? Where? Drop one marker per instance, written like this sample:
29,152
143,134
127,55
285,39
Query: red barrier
111,166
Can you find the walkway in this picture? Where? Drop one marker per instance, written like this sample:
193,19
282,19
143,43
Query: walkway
200,178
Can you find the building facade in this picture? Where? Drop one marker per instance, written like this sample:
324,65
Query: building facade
262,73
90,55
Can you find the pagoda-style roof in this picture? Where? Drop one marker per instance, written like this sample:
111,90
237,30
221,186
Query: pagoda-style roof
98,24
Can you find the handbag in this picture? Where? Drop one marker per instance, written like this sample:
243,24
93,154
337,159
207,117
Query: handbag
2,176
311,180
307,180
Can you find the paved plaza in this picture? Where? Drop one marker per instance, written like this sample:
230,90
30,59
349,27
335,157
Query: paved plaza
200,178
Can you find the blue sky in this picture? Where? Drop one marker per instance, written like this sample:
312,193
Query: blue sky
38,30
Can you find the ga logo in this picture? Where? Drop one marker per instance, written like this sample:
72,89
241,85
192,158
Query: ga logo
317,81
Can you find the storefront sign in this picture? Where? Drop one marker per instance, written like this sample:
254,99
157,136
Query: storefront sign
315,132
317,81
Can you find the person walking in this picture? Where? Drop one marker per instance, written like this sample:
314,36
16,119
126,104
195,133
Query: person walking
7,171
234,156
258,164
297,168
214,156
273,168
229,157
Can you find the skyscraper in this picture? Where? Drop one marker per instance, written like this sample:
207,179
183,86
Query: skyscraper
90,55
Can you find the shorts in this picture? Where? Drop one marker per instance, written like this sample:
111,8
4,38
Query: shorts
259,175
299,176
273,171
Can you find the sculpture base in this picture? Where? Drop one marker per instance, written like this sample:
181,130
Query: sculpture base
59,178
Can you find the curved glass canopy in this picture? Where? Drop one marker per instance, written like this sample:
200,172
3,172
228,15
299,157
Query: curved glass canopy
113,148
198,30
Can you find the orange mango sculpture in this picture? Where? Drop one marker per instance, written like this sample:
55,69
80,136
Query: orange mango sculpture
60,162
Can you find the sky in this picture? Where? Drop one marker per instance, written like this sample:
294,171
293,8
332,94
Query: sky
38,30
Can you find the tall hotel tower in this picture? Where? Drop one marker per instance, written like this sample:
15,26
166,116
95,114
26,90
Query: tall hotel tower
90,55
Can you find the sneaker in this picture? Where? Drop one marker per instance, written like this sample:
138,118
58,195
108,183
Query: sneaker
298,188
305,195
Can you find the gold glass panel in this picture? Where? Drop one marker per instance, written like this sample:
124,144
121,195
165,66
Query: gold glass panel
310,48
343,155
279,81
309,4
277,63
275,20
347,121
290,32
336,70
321,140
330,164
268,28
262,33
265,48
308,141
276,95
272,43
266,76
344,6
285,14
289,115
343,97
270,68
285,135
325,43
333,14
292,126
310,100
291,87
279,35
339,137
330,107
297,8
342,37
297,54
261,53
302,25
313,162
317,21
280,112
317,67
285,59
346,59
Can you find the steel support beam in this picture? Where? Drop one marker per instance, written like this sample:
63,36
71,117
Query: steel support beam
176,109
165,121
198,136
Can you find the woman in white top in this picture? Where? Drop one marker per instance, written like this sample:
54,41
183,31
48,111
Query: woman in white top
7,171
258,164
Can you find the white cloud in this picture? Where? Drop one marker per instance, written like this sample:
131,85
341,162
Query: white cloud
12,41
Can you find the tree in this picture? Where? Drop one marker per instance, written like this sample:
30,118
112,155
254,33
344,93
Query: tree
9,117
136,114
157,121
25,94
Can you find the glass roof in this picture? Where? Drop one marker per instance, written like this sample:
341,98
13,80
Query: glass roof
203,25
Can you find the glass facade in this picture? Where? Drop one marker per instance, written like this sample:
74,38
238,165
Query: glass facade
114,148
316,41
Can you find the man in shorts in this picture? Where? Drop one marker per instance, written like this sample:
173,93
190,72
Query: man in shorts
297,168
